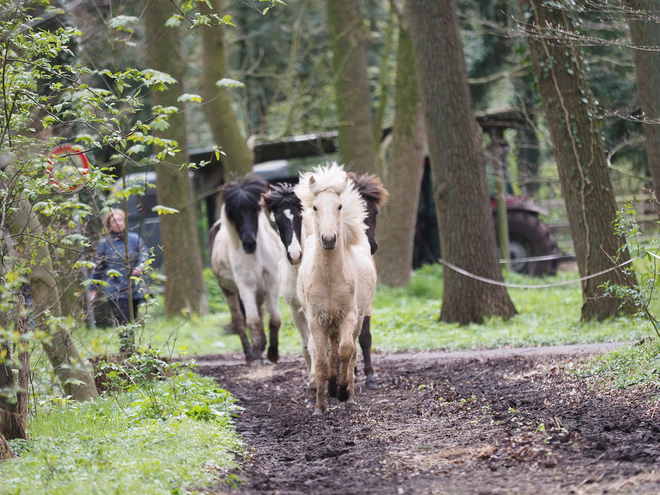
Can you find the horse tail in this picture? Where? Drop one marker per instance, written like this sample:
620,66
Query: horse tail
213,231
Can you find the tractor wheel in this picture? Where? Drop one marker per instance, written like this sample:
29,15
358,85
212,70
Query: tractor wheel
530,237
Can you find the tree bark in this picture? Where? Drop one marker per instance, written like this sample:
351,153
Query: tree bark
238,158
5,449
350,41
69,367
581,161
403,174
184,285
646,33
465,219
13,414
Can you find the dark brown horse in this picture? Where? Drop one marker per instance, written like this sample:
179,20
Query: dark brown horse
375,196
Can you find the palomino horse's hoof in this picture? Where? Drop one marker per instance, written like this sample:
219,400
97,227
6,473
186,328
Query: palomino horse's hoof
318,412
273,354
342,393
371,383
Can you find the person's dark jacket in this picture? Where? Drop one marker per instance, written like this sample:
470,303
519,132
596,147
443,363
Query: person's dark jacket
111,265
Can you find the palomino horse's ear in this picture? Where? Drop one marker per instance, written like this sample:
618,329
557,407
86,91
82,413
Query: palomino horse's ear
312,180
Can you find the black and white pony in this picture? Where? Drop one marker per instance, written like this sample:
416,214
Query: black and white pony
245,252
285,208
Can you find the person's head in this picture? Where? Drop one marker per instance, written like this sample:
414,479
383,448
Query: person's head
115,221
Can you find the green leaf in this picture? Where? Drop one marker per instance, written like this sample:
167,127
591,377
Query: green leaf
189,97
231,83
121,22
164,210
174,21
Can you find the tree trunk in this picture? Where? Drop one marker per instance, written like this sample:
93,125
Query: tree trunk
238,158
465,219
350,41
403,175
646,33
184,285
13,414
5,449
69,367
581,161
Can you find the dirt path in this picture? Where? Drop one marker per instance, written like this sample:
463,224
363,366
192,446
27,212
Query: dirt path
511,422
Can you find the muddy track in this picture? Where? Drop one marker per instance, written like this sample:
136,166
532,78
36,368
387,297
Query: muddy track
504,423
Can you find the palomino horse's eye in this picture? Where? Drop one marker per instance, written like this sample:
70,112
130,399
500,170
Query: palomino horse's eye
339,207
314,208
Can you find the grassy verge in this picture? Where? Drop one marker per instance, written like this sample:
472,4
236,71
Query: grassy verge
630,366
165,437
403,319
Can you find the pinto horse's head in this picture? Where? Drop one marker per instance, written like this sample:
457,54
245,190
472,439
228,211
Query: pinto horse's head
242,208
375,195
285,207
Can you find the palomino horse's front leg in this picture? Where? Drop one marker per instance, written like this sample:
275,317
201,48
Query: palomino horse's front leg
347,358
333,343
238,322
274,324
320,364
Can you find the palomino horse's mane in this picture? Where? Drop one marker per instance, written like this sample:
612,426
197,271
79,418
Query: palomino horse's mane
245,194
281,196
333,178
371,188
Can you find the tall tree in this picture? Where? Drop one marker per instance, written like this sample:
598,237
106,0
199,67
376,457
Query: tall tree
14,376
645,35
238,158
184,285
67,363
578,149
403,173
459,171
350,42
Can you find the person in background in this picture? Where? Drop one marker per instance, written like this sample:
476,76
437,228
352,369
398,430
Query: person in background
111,266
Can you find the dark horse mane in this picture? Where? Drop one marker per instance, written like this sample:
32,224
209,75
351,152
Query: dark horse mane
239,195
370,188
281,196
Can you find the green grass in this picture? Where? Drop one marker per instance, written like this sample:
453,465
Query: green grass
123,444
403,319
632,365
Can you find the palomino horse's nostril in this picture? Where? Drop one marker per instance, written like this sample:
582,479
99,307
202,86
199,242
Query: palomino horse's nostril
329,242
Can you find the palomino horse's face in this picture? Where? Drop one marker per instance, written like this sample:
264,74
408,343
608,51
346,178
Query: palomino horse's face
289,226
246,221
328,218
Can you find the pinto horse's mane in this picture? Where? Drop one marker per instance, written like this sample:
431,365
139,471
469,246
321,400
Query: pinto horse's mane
281,196
333,178
245,194
371,188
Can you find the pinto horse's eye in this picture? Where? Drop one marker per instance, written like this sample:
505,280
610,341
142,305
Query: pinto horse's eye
314,208
339,207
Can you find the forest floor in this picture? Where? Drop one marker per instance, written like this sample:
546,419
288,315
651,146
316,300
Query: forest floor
507,421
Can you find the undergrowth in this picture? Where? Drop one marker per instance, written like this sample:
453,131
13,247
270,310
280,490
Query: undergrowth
629,366
148,436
